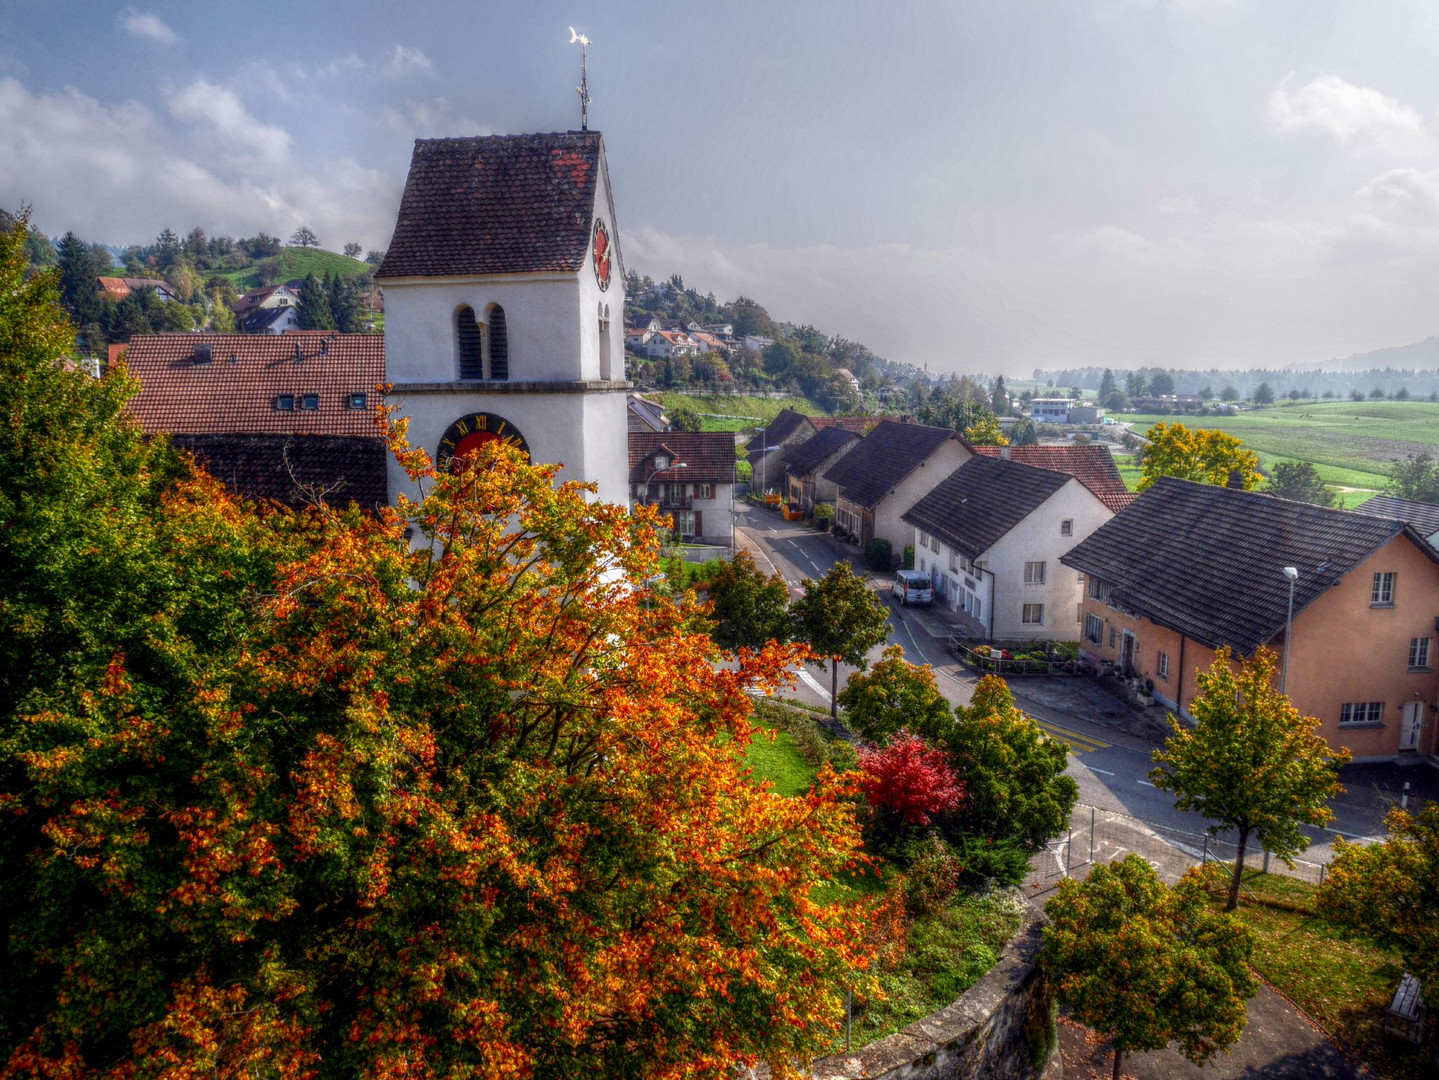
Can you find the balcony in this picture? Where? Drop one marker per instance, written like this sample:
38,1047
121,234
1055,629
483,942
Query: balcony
670,502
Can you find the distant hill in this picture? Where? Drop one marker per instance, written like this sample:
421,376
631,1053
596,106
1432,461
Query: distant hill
297,262
1419,356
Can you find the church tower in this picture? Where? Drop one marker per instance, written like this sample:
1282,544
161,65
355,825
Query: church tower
504,305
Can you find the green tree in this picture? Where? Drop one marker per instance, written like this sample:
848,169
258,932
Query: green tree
1416,478
79,289
305,237
1161,384
1264,394
1229,393
749,317
1402,394
999,397
352,250
842,619
168,248
1117,401
895,695
1206,393
1204,455
1135,384
1024,433
1012,771
1299,481
1251,762
347,302
1390,890
962,413
685,418
1148,965
749,609
1377,394
314,313
1107,385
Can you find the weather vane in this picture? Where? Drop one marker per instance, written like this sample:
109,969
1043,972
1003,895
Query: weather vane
584,88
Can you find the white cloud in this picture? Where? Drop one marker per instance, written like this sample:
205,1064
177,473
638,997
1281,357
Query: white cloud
346,64
428,119
402,60
145,24
1347,112
229,121
1407,196
120,173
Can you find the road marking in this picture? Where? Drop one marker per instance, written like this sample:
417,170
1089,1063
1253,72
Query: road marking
813,684
1146,783
1078,743
1104,772
902,621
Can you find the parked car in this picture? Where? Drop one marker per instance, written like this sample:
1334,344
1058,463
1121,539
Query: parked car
912,587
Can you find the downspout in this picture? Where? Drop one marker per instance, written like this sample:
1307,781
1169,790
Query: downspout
1179,687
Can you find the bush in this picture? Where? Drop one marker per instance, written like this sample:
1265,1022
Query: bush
982,860
908,563
823,514
933,875
878,555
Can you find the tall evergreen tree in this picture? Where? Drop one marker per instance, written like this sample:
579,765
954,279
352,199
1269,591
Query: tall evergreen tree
1107,385
315,313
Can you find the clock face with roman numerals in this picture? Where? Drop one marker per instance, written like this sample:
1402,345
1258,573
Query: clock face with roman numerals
602,255
469,433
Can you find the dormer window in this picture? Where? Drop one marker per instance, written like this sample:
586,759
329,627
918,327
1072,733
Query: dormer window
356,401
661,462
285,402
310,402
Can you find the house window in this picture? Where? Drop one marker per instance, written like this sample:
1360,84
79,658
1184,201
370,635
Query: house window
1113,637
285,402
1163,671
1066,527
1098,589
1032,615
1093,630
469,341
704,491
1359,713
499,343
1034,573
356,401
685,522
310,402
1382,594
1419,654
661,462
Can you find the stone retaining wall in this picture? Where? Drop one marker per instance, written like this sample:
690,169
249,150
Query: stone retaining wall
1001,1028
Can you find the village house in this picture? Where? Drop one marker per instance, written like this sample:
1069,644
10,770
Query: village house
1092,465
666,343
806,464
266,297
1190,567
689,475
1055,410
289,417
646,415
887,473
114,288
990,537
271,320
1422,517
767,451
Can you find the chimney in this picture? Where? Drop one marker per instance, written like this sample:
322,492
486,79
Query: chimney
1236,480
1004,453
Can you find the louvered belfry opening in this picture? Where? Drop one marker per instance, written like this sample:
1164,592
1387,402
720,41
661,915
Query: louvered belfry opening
472,362
499,344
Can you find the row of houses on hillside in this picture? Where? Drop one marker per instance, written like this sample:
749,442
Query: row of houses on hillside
649,335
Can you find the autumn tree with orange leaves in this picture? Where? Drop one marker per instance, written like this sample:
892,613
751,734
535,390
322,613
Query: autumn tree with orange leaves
341,802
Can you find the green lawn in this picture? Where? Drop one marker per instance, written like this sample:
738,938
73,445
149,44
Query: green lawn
1341,979
296,263
779,761
736,413
1352,443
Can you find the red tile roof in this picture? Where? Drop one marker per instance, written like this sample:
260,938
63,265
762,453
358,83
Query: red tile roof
114,287
708,456
497,204
1092,465
236,390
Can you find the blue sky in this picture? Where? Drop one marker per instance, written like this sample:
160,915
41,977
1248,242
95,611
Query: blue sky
976,186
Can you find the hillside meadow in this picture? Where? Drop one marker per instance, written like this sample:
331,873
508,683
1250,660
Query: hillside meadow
297,262
735,412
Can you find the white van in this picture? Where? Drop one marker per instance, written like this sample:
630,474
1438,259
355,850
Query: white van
912,587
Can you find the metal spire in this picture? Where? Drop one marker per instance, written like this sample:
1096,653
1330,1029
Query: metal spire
584,88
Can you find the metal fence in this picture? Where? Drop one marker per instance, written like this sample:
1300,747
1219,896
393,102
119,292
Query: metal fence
1099,836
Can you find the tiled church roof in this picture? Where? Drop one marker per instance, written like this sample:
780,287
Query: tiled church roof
497,204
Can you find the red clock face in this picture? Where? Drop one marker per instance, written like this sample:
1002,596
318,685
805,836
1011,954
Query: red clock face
602,255
469,433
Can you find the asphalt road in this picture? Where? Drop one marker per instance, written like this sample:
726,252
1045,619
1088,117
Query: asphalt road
1111,753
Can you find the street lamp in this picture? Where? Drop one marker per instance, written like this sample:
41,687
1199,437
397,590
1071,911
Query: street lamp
1293,575
763,462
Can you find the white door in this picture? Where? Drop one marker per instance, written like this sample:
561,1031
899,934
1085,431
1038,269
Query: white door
1412,724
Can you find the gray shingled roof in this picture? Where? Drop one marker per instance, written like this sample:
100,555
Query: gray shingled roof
804,458
884,458
1423,516
498,204
973,507
1208,561
779,429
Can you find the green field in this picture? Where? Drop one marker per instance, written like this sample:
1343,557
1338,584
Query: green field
297,262
1351,443
731,412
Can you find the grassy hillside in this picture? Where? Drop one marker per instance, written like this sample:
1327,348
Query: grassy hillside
1351,443
297,262
731,412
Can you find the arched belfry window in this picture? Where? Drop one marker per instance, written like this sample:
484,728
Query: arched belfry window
471,348
499,339
605,362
